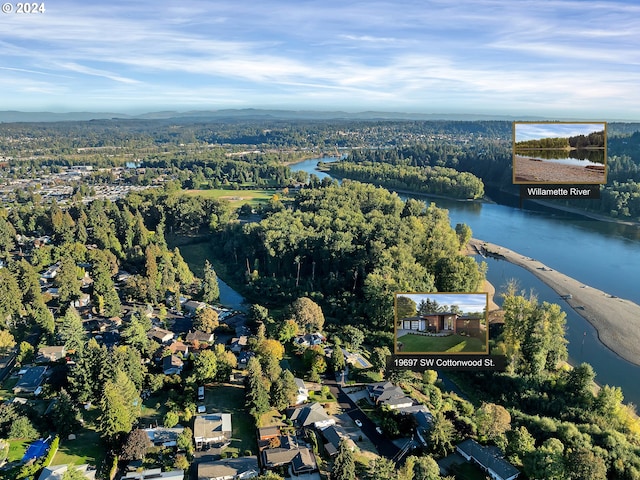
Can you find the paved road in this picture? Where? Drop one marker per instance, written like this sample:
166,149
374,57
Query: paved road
384,446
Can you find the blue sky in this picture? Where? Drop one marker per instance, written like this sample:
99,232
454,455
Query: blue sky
468,302
535,131
554,59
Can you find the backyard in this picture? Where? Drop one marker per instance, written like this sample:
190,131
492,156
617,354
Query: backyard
450,344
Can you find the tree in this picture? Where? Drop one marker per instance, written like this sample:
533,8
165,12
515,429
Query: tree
441,435
421,468
463,231
136,445
65,416
226,362
284,390
344,467
210,288
405,307
171,419
272,348
120,407
288,330
257,394
184,441
67,280
135,334
379,358
307,314
10,296
22,428
546,462
382,469
582,463
103,286
26,352
72,331
73,473
205,366
7,342
353,336
337,359
580,381
492,420
206,320
520,444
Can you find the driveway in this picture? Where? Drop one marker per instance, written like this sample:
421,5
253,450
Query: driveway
384,446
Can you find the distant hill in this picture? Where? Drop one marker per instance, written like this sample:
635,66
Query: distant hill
247,114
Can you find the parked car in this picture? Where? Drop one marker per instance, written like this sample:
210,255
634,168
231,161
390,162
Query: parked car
359,423
379,430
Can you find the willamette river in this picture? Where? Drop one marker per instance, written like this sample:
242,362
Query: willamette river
603,255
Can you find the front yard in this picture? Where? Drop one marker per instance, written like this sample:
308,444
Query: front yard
450,344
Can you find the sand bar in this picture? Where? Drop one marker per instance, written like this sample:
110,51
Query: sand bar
617,320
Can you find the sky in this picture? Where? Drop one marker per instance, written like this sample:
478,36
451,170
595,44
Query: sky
468,302
536,131
555,59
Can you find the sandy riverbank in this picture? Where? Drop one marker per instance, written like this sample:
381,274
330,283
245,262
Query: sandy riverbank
617,320
537,171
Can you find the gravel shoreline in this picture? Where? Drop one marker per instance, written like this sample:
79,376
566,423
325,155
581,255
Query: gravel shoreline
537,171
616,320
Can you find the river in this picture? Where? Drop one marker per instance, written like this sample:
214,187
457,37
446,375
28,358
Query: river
604,255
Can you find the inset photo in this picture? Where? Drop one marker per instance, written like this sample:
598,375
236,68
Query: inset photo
428,323
559,153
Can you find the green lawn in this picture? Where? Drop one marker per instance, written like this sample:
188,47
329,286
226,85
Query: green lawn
86,448
237,198
450,344
17,449
230,399
468,471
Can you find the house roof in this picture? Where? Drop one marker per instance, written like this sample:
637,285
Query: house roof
154,473
229,468
300,383
332,436
211,425
56,472
199,336
55,352
309,415
30,380
160,334
301,459
489,458
161,435
268,432
172,361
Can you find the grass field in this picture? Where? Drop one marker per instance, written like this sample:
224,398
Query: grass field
86,448
230,399
450,344
237,198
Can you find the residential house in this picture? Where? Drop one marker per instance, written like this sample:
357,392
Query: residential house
303,391
50,273
490,459
164,437
239,344
211,429
310,415
83,301
51,354
57,472
309,339
267,433
160,335
31,380
388,394
155,474
192,306
300,460
229,469
172,365
443,322
199,336
179,348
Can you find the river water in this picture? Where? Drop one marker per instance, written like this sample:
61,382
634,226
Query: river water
603,255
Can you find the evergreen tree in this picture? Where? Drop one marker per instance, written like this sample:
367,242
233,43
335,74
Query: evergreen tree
67,280
344,467
205,366
337,359
257,394
65,415
120,407
210,288
71,331
284,391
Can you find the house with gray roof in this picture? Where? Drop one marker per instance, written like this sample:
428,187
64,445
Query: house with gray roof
490,459
311,415
31,380
229,469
